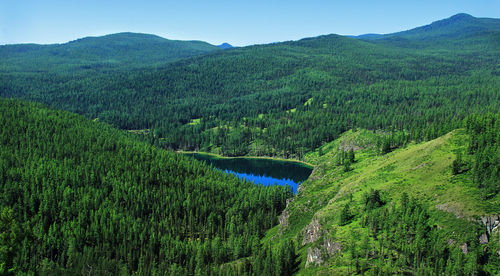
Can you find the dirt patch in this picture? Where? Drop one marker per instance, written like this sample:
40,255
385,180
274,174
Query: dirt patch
421,166
450,209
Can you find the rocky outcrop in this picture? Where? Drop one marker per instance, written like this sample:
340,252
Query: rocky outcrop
492,223
332,247
283,218
314,256
465,248
483,239
312,232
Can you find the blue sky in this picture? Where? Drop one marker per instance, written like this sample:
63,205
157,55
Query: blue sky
237,22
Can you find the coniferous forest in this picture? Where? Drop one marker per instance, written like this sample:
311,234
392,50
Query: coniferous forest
403,131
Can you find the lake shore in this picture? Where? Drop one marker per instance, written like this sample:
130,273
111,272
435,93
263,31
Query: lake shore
248,157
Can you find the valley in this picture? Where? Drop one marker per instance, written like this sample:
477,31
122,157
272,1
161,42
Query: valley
130,153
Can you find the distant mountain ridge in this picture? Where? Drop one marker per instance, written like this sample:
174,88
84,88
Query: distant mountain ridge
132,49
225,45
462,27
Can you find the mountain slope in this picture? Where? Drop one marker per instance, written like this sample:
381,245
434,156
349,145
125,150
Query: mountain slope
78,195
371,234
459,30
307,92
126,49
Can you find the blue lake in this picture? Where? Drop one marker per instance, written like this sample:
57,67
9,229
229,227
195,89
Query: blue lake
260,171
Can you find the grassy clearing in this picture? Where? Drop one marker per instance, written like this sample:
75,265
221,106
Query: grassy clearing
194,122
140,131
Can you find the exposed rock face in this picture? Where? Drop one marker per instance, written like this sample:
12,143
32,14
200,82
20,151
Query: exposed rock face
283,218
312,232
492,223
483,239
465,248
331,247
314,256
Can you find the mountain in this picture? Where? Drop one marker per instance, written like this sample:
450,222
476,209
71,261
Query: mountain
331,80
460,29
78,195
122,49
225,46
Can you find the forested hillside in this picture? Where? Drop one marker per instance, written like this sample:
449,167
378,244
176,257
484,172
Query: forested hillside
80,197
465,30
417,210
129,50
306,92
403,129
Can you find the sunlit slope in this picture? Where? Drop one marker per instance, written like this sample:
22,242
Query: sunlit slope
422,171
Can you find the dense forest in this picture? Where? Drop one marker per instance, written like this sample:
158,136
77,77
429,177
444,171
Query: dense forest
306,92
403,128
78,196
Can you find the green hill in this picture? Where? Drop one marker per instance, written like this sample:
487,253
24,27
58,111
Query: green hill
242,96
461,30
367,220
121,49
77,195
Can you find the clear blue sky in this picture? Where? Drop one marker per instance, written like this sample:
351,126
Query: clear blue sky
216,21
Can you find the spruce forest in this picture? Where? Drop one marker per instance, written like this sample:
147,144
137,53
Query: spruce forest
402,131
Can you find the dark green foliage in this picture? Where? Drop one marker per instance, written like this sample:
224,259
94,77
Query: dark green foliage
484,146
278,261
372,200
351,156
347,165
11,236
121,50
243,97
93,199
345,215
403,240
457,164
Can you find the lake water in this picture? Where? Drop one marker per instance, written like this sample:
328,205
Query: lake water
263,171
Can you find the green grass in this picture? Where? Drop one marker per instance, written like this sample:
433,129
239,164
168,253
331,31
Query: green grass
194,122
422,170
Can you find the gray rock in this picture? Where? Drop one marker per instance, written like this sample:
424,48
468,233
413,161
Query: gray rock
311,232
483,239
314,256
464,248
491,223
332,247
283,218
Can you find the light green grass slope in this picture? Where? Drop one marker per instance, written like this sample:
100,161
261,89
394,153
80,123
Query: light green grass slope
422,170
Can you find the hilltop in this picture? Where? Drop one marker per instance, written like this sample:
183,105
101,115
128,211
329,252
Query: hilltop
460,30
121,49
